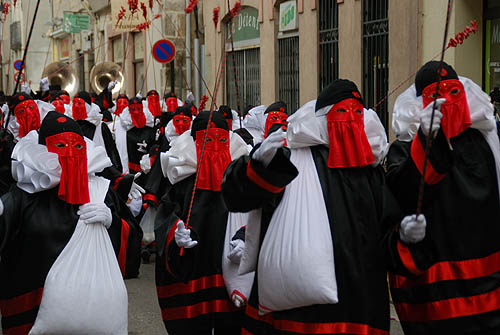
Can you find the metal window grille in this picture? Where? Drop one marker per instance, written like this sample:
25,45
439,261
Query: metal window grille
376,56
288,71
248,77
328,42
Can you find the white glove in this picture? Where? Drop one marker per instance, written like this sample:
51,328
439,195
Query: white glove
1,207
189,97
265,153
44,84
236,248
183,236
426,115
112,85
138,95
25,89
412,230
146,164
95,213
136,191
237,300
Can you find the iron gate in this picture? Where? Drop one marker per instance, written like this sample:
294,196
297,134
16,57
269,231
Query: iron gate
376,56
328,42
288,72
248,77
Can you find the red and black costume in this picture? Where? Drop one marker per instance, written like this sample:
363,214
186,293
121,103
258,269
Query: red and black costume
359,210
449,283
35,227
190,285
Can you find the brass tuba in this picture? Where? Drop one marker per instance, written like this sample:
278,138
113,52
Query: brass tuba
62,74
103,73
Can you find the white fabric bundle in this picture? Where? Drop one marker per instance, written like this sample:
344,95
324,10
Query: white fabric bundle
35,169
84,292
308,127
181,161
250,255
296,262
236,284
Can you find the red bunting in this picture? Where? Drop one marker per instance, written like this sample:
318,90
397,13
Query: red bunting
203,103
236,9
463,35
190,7
216,16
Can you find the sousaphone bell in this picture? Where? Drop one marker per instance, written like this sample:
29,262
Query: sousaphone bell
103,73
63,75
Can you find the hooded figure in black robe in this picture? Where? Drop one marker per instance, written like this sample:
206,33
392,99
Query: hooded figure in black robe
447,280
189,280
37,219
322,209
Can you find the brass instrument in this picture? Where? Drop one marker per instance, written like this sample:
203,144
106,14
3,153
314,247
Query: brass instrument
103,73
62,74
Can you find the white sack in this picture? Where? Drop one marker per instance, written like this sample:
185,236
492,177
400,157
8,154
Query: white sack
296,264
236,284
84,292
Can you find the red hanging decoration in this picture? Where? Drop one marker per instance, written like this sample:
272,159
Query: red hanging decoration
190,7
143,26
144,10
133,6
151,4
15,3
216,16
463,35
236,9
203,103
5,10
121,15
157,16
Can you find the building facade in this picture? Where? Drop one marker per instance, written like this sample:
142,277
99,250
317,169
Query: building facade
300,46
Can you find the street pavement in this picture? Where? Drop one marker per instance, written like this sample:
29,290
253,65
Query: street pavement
144,314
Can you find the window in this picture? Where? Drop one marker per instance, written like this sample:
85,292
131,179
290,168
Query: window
139,62
376,56
117,50
328,42
245,33
288,71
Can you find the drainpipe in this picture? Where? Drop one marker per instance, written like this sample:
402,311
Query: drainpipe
188,50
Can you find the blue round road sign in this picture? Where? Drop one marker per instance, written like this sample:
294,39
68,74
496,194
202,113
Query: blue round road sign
18,65
164,51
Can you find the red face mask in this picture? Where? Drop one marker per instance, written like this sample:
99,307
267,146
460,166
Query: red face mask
27,116
456,114
181,123
72,152
121,104
66,99
79,109
216,158
154,105
172,104
273,118
137,115
349,146
59,106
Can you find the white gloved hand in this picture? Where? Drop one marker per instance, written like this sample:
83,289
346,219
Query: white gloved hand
95,213
265,153
236,248
183,236
138,95
145,164
426,115
112,84
136,191
25,89
44,84
1,207
238,301
189,97
412,230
